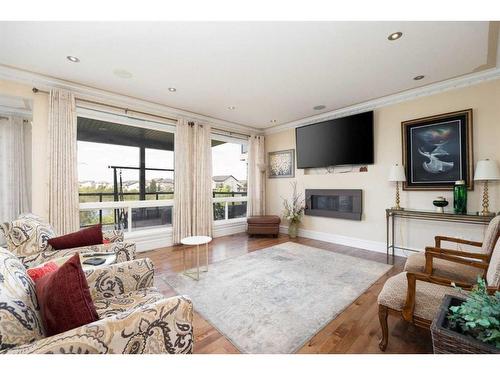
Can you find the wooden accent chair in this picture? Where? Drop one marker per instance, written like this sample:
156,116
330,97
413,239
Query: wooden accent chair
416,297
460,271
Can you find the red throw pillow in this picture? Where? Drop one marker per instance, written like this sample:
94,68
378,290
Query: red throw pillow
85,237
38,272
64,298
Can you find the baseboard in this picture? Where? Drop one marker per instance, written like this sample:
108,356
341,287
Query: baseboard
379,247
151,239
228,228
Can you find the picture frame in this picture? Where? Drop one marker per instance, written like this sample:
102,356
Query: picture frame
437,151
281,164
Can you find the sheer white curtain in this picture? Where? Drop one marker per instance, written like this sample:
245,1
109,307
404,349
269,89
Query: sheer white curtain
256,204
193,209
63,175
15,171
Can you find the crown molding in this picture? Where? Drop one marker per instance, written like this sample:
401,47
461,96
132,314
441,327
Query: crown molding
45,83
434,88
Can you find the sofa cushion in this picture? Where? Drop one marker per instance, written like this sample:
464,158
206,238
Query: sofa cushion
20,321
64,296
38,272
27,235
84,237
111,306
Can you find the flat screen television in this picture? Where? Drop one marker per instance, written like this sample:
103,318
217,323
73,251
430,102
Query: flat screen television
341,141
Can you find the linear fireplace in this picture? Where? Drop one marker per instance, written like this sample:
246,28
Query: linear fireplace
337,203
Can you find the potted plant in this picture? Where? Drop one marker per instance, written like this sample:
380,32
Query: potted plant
470,325
293,211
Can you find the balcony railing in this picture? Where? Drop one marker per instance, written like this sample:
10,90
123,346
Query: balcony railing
135,214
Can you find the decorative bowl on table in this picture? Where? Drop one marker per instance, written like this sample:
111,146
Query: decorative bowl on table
440,203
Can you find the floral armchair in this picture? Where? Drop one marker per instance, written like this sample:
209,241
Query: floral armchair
27,237
134,316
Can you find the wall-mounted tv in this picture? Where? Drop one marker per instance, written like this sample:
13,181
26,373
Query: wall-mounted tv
341,141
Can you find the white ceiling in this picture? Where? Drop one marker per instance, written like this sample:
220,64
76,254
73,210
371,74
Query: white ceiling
267,70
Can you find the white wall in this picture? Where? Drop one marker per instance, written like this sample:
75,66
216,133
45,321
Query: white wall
378,193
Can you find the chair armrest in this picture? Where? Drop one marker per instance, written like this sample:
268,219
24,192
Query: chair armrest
439,239
124,251
119,278
461,257
115,235
412,277
161,327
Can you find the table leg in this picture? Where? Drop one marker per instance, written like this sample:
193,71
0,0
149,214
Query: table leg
183,260
198,260
392,242
387,236
206,251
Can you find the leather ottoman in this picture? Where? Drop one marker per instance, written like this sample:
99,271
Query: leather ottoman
269,224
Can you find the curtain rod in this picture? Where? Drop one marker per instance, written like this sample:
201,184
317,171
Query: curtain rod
35,91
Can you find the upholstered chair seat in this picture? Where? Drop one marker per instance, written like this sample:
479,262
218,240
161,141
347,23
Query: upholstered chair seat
428,296
27,237
134,316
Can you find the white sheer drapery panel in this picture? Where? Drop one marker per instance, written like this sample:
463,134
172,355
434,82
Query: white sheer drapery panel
15,161
256,204
193,210
63,174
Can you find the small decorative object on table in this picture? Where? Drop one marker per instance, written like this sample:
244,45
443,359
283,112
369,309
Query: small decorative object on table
465,326
486,170
460,197
293,211
440,203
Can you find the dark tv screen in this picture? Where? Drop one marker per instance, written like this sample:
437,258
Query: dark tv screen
341,141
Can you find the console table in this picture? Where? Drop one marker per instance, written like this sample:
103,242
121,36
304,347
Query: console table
391,215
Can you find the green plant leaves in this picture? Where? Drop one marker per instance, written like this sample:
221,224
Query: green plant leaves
478,316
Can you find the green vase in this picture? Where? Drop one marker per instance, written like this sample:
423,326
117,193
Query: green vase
293,229
460,197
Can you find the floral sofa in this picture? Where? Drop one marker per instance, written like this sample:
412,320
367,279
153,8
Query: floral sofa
134,316
27,237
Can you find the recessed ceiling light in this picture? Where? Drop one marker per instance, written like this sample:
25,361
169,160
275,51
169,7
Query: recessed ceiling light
231,107
73,59
418,78
395,36
172,89
122,73
319,107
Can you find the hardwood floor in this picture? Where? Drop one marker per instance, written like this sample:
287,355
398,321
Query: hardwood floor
355,330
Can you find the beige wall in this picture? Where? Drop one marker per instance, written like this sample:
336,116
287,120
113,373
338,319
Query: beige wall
378,193
39,141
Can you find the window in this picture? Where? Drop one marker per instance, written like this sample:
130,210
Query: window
229,178
127,164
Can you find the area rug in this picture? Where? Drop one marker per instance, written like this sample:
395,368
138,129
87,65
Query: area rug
274,300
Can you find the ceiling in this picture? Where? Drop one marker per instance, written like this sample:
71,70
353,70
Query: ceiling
266,70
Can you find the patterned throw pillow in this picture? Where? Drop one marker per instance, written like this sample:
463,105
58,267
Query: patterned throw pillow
27,235
20,321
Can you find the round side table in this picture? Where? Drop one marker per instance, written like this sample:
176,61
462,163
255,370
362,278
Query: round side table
195,241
